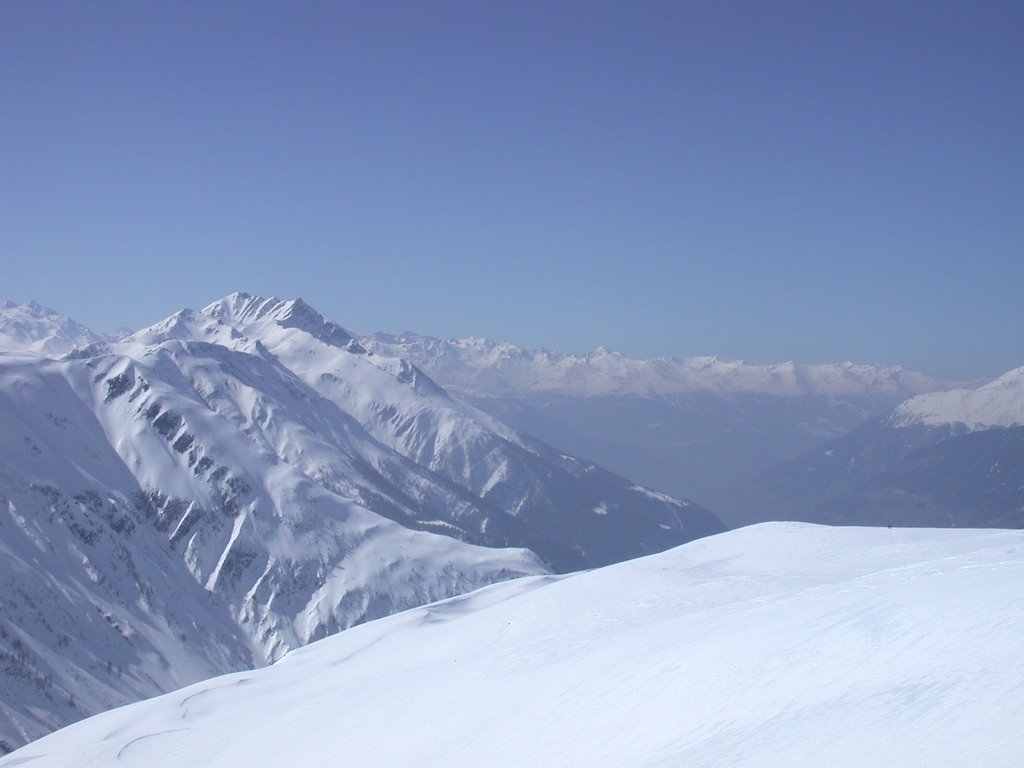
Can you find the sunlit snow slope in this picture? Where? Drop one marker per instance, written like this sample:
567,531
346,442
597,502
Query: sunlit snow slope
779,644
147,541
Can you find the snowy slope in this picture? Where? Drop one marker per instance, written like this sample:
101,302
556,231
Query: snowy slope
779,644
33,329
483,366
999,403
94,610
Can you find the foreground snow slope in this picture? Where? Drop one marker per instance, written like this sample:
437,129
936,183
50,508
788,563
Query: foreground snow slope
778,644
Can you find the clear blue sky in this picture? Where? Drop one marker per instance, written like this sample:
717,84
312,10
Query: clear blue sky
813,181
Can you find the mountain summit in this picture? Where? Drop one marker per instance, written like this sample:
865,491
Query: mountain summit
36,330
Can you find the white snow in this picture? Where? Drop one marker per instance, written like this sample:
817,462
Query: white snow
777,645
999,403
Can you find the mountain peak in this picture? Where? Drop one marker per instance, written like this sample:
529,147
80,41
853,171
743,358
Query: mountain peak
240,306
1000,403
243,310
37,330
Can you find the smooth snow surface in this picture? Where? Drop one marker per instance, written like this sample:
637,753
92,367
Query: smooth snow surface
781,644
997,404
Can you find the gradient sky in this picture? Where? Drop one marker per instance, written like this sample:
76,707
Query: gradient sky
770,181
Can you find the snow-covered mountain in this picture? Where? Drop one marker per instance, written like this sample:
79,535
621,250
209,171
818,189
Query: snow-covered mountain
693,426
778,644
235,482
999,403
34,329
508,488
946,459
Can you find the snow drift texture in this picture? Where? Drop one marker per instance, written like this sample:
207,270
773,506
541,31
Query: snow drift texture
779,644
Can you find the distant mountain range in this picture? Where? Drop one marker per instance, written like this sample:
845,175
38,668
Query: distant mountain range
700,424
945,459
495,369
232,483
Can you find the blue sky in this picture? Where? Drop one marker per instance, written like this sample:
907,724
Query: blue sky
769,181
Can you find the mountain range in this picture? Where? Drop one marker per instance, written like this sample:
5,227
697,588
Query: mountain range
232,483
944,459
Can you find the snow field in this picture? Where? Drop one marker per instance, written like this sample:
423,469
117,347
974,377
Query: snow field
779,644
